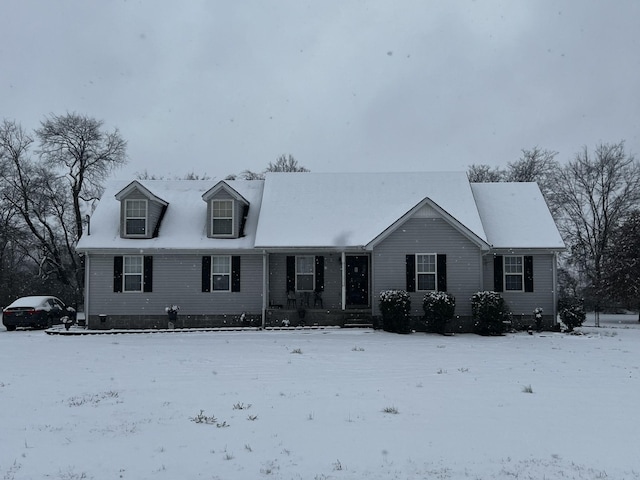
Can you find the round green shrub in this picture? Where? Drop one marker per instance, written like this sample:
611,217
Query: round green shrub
489,312
439,308
395,307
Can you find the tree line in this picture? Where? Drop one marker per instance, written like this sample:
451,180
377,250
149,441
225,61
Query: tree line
51,179
595,201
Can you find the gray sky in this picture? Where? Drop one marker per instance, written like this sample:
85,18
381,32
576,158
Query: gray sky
219,87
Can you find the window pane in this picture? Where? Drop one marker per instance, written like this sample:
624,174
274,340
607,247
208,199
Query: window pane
222,227
305,283
426,281
305,265
513,282
136,208
221,282
132,264
425,263
512,264
137,226
132,283
221,264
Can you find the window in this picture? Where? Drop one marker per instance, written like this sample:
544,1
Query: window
426,271
132,274
513,273
222,217
135,212
221,273
305,273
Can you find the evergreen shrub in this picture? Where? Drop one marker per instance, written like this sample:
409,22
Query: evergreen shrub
489,312
395,306
439,308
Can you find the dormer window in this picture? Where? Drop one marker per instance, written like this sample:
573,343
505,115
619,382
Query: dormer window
135,222
222,218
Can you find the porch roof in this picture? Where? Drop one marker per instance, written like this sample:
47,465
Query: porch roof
352,209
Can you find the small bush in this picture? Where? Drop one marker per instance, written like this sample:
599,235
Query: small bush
489,313
439,308
395,306
571,311
527,389
392,410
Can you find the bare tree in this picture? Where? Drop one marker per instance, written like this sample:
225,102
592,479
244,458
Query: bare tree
482,173
597,192
285,163
536,165
77,145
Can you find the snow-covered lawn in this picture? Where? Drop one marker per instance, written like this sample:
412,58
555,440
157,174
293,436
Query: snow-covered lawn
328,404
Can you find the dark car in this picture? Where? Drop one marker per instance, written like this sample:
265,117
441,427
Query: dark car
37,312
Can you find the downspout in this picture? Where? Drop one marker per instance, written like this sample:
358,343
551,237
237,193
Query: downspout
87,270
265,285
343,261
555,288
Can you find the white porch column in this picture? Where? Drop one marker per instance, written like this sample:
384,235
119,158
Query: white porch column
265,286
343,261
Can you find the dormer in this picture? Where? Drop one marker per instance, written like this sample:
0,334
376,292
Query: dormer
226,211
140,211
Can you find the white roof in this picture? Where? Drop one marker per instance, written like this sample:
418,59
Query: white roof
515,215
184,224
352,209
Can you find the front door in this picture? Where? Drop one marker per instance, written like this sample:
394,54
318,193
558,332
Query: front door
357,278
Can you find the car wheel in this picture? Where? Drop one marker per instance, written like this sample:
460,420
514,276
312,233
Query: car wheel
10,328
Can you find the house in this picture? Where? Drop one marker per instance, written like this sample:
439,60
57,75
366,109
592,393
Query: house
314,247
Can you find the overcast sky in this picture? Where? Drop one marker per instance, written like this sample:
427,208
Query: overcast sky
219,87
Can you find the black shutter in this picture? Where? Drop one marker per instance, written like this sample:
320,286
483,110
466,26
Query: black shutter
117,274
206,274
319,273
235,273
528,273
291,273
411,273
442,273
147,281
498,284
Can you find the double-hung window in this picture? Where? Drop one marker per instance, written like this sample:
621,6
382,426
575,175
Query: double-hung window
222,217
132,274
135,217
221,273
426,270
305,273
513,273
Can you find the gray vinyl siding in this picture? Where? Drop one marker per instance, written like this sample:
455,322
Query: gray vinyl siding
427,235
332,295
154,210
238,208
177,280
523,303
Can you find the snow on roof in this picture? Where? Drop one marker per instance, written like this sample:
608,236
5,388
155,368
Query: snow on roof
352,209
515,215
332,210
184,224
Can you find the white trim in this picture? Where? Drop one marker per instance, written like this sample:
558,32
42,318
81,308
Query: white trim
504,273
229,275
145,218
434,273
313,273
232,218
343,263
125,274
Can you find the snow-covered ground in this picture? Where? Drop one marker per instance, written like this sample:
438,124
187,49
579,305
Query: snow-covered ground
323,404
